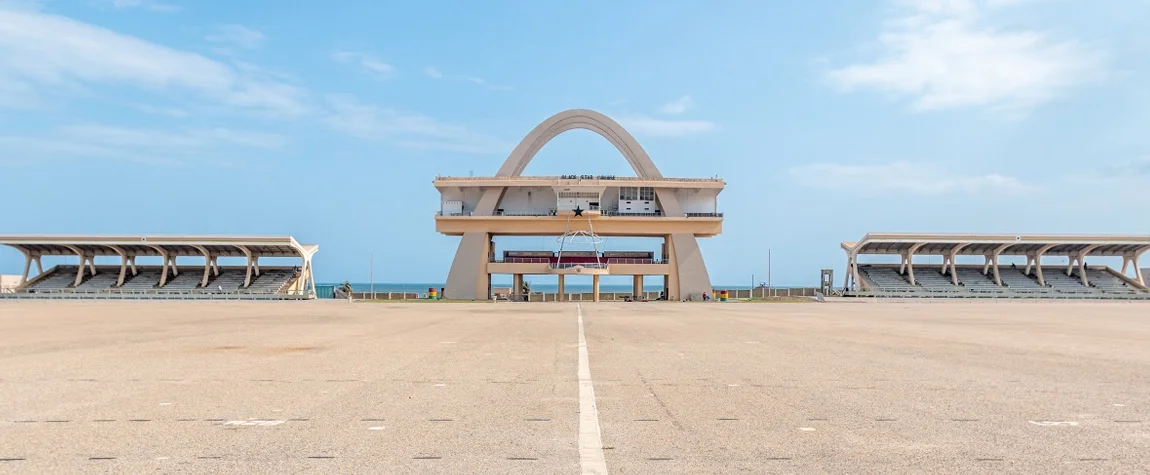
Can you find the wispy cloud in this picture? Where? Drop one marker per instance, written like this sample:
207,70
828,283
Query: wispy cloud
677,106
644,125
138,144
57,53
369,63
435,73
944,54
158,110
369,122
152,5
903,177
237,35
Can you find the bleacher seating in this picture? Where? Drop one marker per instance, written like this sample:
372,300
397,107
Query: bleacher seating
1016,280
271,280
887,279
932,281
974,281
1057,279
60,277
1107,282
145,279
185,281
229,280
105,277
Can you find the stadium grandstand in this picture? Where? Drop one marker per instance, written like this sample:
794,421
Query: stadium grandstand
169,280
1034,279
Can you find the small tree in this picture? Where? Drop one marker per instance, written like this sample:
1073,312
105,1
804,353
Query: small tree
526,290
345,288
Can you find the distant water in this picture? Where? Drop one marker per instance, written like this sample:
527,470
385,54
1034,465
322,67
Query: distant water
570,288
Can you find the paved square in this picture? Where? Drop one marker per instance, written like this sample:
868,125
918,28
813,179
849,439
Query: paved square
333,387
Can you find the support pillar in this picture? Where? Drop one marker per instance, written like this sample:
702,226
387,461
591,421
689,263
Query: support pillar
637,290
28,267
207,271
672,280
562,295
164,272
517,286
123,270
594,287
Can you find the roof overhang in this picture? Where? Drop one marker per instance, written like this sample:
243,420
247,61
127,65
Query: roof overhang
550,181
224,246
1007,244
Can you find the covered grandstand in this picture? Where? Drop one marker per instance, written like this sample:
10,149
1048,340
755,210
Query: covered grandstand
169,280
1034,279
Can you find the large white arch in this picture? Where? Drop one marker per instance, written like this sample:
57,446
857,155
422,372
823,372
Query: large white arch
471,255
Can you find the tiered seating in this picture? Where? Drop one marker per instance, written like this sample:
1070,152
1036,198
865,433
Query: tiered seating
887,279
147,279
933,281
60,278
185,281
104,278
1107,282
975,281
271,280
1057,279
1016,280
229,280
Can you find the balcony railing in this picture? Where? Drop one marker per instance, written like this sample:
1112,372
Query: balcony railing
554,213
585,266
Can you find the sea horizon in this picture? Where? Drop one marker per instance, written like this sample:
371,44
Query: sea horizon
538,287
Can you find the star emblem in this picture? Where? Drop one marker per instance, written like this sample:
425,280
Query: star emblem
578,212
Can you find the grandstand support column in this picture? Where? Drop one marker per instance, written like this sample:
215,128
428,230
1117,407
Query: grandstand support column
517,286
594,287
1133,258
164,270
28,265
123,270
950,259
1080,259
132,263
83,261
207,264
637,287
1037,257
248,272
908,261
561,295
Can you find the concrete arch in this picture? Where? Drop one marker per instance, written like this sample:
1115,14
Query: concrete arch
690,279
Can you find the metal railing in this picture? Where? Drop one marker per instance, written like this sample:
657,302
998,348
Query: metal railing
586,266
522,260
657,214
633,260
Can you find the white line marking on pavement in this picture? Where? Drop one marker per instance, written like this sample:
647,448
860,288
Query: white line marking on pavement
590,439
1054,423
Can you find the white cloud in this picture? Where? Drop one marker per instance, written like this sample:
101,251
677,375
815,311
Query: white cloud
237,35
137,144
664,128
152,5
677,106
903,178
369,122
435,73
944,54
374,66
55,52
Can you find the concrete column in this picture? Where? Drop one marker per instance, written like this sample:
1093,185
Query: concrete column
562,296
637,289
594,287
672,280
123,271
28,267
517,285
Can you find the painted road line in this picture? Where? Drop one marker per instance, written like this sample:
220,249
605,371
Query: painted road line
591,458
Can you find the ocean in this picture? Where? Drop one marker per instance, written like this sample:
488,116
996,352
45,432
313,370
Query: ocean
537,287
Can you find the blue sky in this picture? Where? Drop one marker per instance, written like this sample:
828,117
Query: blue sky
827,119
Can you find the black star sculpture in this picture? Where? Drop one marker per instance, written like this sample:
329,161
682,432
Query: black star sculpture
578,212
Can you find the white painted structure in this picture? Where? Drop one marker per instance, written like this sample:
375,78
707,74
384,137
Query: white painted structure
9,283
1074,248
168,248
